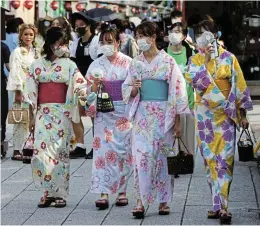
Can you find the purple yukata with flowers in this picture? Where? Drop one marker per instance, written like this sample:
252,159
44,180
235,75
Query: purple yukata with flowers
221,91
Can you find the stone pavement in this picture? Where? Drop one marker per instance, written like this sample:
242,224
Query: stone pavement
19,198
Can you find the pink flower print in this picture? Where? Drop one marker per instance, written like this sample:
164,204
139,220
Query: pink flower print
133,160
58,69
43,145
113,188
144,164
100,162
47,178
96,143
143,123
39,173
129,159
159,165
35,151
122,124
150,198
46,110
121,165
158,144
48,126
172,112
61,133
111,157
122,181
67,113
37,71
161,116
80,80
91,111
108,135
152,108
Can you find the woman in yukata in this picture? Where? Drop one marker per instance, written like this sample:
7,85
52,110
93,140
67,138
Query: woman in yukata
155,89
112,159
52,88
20,60
222,99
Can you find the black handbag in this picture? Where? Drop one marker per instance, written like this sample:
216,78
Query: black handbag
182,163
28,149
104,104
245,147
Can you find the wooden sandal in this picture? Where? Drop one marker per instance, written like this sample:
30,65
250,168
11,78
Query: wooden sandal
102,204
213,214
121,202
165,210
225,217
138,212
46,202
17,156
60,203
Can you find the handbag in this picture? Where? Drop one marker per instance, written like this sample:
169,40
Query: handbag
18,116
104,102
245,147
182,163
28,149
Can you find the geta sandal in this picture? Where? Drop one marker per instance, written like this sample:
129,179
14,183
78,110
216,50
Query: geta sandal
138,212
121,202
60,203
165,210
102,204
46,202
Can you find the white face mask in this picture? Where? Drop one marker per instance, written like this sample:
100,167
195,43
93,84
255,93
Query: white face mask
143,45
60,51
175,39
107,50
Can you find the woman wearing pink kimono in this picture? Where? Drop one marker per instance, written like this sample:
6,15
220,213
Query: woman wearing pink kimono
156,92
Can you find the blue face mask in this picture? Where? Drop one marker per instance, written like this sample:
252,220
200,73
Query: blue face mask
219,34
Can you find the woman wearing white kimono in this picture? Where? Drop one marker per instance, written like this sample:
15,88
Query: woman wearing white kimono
20,61
156,91
112,157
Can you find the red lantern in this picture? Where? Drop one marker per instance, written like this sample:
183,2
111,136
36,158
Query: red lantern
54,5
133,10
15,4
28,4
68,6
79,7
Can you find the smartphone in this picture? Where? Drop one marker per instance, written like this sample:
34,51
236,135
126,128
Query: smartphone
216,53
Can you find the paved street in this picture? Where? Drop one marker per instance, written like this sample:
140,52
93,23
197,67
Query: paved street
191,201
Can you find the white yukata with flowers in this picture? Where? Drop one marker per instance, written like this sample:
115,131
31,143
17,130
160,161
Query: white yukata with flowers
112,159
153,123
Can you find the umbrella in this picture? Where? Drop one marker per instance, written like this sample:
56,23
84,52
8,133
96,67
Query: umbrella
102,14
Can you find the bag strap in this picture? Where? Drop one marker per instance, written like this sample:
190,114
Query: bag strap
247,133
179,144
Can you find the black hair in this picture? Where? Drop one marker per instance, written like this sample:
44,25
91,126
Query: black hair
120,24
65,25
111,29
12,26
208,25
53,35
90,23
176,13
19,21
182,25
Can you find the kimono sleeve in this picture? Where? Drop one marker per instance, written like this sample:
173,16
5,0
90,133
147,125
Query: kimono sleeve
77,83
14,80
30,93
177,97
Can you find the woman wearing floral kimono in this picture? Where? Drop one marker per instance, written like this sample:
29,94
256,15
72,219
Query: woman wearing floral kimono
51,89
221,104
20,60
156,91
112,159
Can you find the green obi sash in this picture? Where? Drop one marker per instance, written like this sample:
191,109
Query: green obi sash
154,90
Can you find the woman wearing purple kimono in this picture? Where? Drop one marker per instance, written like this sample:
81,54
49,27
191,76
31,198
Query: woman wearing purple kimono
156,92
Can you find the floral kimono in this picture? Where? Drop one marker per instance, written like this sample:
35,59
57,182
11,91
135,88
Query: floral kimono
112,158
221,92
20,61
51,90
153,123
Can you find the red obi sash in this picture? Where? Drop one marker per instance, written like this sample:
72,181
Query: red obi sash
52,92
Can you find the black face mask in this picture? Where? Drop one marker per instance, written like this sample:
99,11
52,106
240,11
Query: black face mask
81,31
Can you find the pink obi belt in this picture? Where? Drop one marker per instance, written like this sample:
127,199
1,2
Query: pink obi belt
52,92
114,89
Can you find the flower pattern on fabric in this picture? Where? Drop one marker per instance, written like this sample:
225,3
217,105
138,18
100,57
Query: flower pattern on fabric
206,131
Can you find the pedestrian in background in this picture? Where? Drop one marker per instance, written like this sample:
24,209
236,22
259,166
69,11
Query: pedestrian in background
20,60
156,92
222,99
52,88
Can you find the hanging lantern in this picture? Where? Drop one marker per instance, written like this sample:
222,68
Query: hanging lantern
68,6
54,5
28,4
133,10
79,7
15,4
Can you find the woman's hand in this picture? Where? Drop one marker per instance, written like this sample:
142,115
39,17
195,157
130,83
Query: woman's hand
18,97
137,83
96,83
244,123
208,51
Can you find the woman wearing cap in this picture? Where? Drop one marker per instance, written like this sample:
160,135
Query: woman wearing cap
112,158
222,99
82,52
52,88
156,91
